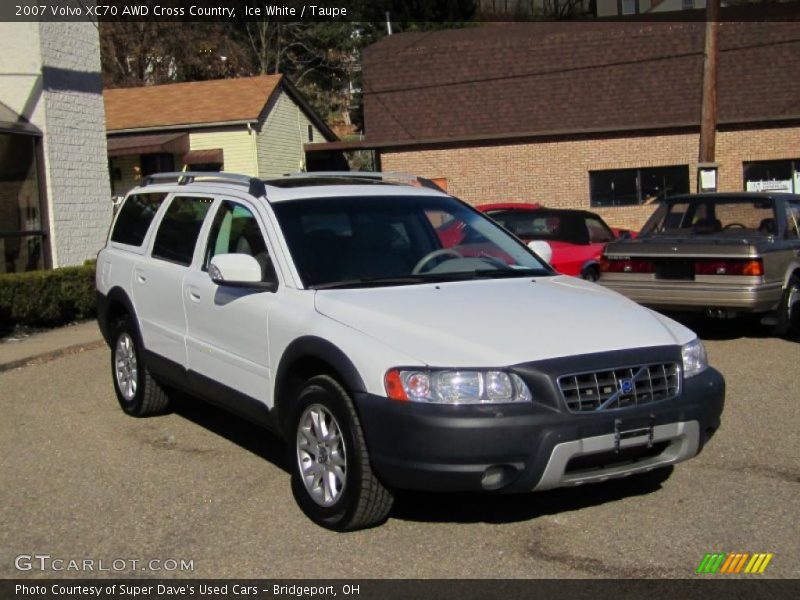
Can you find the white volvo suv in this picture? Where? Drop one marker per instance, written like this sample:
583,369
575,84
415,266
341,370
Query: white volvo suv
394,336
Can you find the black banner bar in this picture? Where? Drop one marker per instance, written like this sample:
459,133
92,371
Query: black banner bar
347,10
700,588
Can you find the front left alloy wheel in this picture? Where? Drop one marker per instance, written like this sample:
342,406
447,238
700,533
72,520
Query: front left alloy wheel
332,478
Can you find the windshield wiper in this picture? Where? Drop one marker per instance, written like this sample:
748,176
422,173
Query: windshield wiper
510,272
364,282
371,282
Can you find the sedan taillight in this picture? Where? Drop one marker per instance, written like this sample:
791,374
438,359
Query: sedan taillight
729,267
626,265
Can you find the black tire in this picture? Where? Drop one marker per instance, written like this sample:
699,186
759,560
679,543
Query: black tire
361,500
591,274
788,320
146,397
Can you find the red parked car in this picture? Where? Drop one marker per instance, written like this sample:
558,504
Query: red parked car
577,237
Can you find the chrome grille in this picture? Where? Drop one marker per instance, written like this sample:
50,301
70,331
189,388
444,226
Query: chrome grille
620,388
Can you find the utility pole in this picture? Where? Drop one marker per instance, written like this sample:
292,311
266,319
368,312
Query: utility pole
707,168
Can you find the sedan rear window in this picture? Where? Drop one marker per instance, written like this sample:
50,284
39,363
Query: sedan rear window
709,216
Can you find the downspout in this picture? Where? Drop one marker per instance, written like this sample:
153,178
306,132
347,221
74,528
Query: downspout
253,133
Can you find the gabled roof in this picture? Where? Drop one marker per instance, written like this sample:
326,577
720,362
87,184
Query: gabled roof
545,79
198,103
190,103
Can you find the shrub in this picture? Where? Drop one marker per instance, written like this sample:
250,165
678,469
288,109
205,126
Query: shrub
47,298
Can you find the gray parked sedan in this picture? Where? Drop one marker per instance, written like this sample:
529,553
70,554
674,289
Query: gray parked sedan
724,253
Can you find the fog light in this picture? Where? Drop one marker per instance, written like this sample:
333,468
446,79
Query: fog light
497,476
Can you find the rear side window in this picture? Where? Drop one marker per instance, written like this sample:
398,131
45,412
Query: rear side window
178,231
135,217
598,232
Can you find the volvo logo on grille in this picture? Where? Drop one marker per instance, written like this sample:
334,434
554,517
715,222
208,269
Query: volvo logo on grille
625,386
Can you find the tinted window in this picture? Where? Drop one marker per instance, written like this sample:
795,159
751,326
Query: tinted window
599,233
793,219
544,225
722,216
178,231
236,231
135,217
352,240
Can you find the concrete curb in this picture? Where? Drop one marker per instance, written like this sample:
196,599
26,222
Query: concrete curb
45,357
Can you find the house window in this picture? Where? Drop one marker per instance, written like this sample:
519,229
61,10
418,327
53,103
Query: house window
687,4
626,187
772,176
628,7
157,163
22,229
310,133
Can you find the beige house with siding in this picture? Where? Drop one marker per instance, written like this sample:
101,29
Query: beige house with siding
251,125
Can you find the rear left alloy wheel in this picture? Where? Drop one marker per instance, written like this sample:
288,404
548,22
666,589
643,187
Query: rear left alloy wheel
332,478
137,392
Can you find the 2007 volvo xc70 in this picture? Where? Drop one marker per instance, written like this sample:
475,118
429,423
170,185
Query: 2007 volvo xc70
332,308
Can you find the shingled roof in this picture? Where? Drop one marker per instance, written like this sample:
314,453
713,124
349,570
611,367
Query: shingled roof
194,102
541,79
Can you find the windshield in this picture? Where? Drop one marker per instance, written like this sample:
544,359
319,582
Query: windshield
713,216
396,240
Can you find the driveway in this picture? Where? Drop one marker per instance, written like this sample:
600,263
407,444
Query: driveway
83,481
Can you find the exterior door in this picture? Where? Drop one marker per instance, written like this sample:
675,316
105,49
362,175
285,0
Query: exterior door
227,326
158,281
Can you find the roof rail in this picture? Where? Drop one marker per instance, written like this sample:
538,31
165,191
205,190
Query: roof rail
254,185
389,177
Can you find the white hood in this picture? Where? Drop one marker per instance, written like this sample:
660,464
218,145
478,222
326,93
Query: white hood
499,322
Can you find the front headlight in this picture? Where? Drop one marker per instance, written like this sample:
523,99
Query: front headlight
694,356
450,386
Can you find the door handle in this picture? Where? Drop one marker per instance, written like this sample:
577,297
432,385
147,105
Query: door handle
141,276
193,293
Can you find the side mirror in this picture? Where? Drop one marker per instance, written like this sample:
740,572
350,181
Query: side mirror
624,234
542,249
237,270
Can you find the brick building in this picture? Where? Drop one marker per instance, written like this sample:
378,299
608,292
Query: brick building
599,116
55,204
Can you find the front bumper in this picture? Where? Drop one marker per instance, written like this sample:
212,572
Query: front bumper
532,446
691,295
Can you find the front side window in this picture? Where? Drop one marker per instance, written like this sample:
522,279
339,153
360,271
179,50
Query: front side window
135,217
346,242
177,233
793,220
235,231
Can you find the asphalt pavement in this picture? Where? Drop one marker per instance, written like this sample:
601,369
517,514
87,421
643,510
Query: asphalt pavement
82,481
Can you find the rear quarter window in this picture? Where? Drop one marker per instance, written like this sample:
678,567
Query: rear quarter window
135,217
